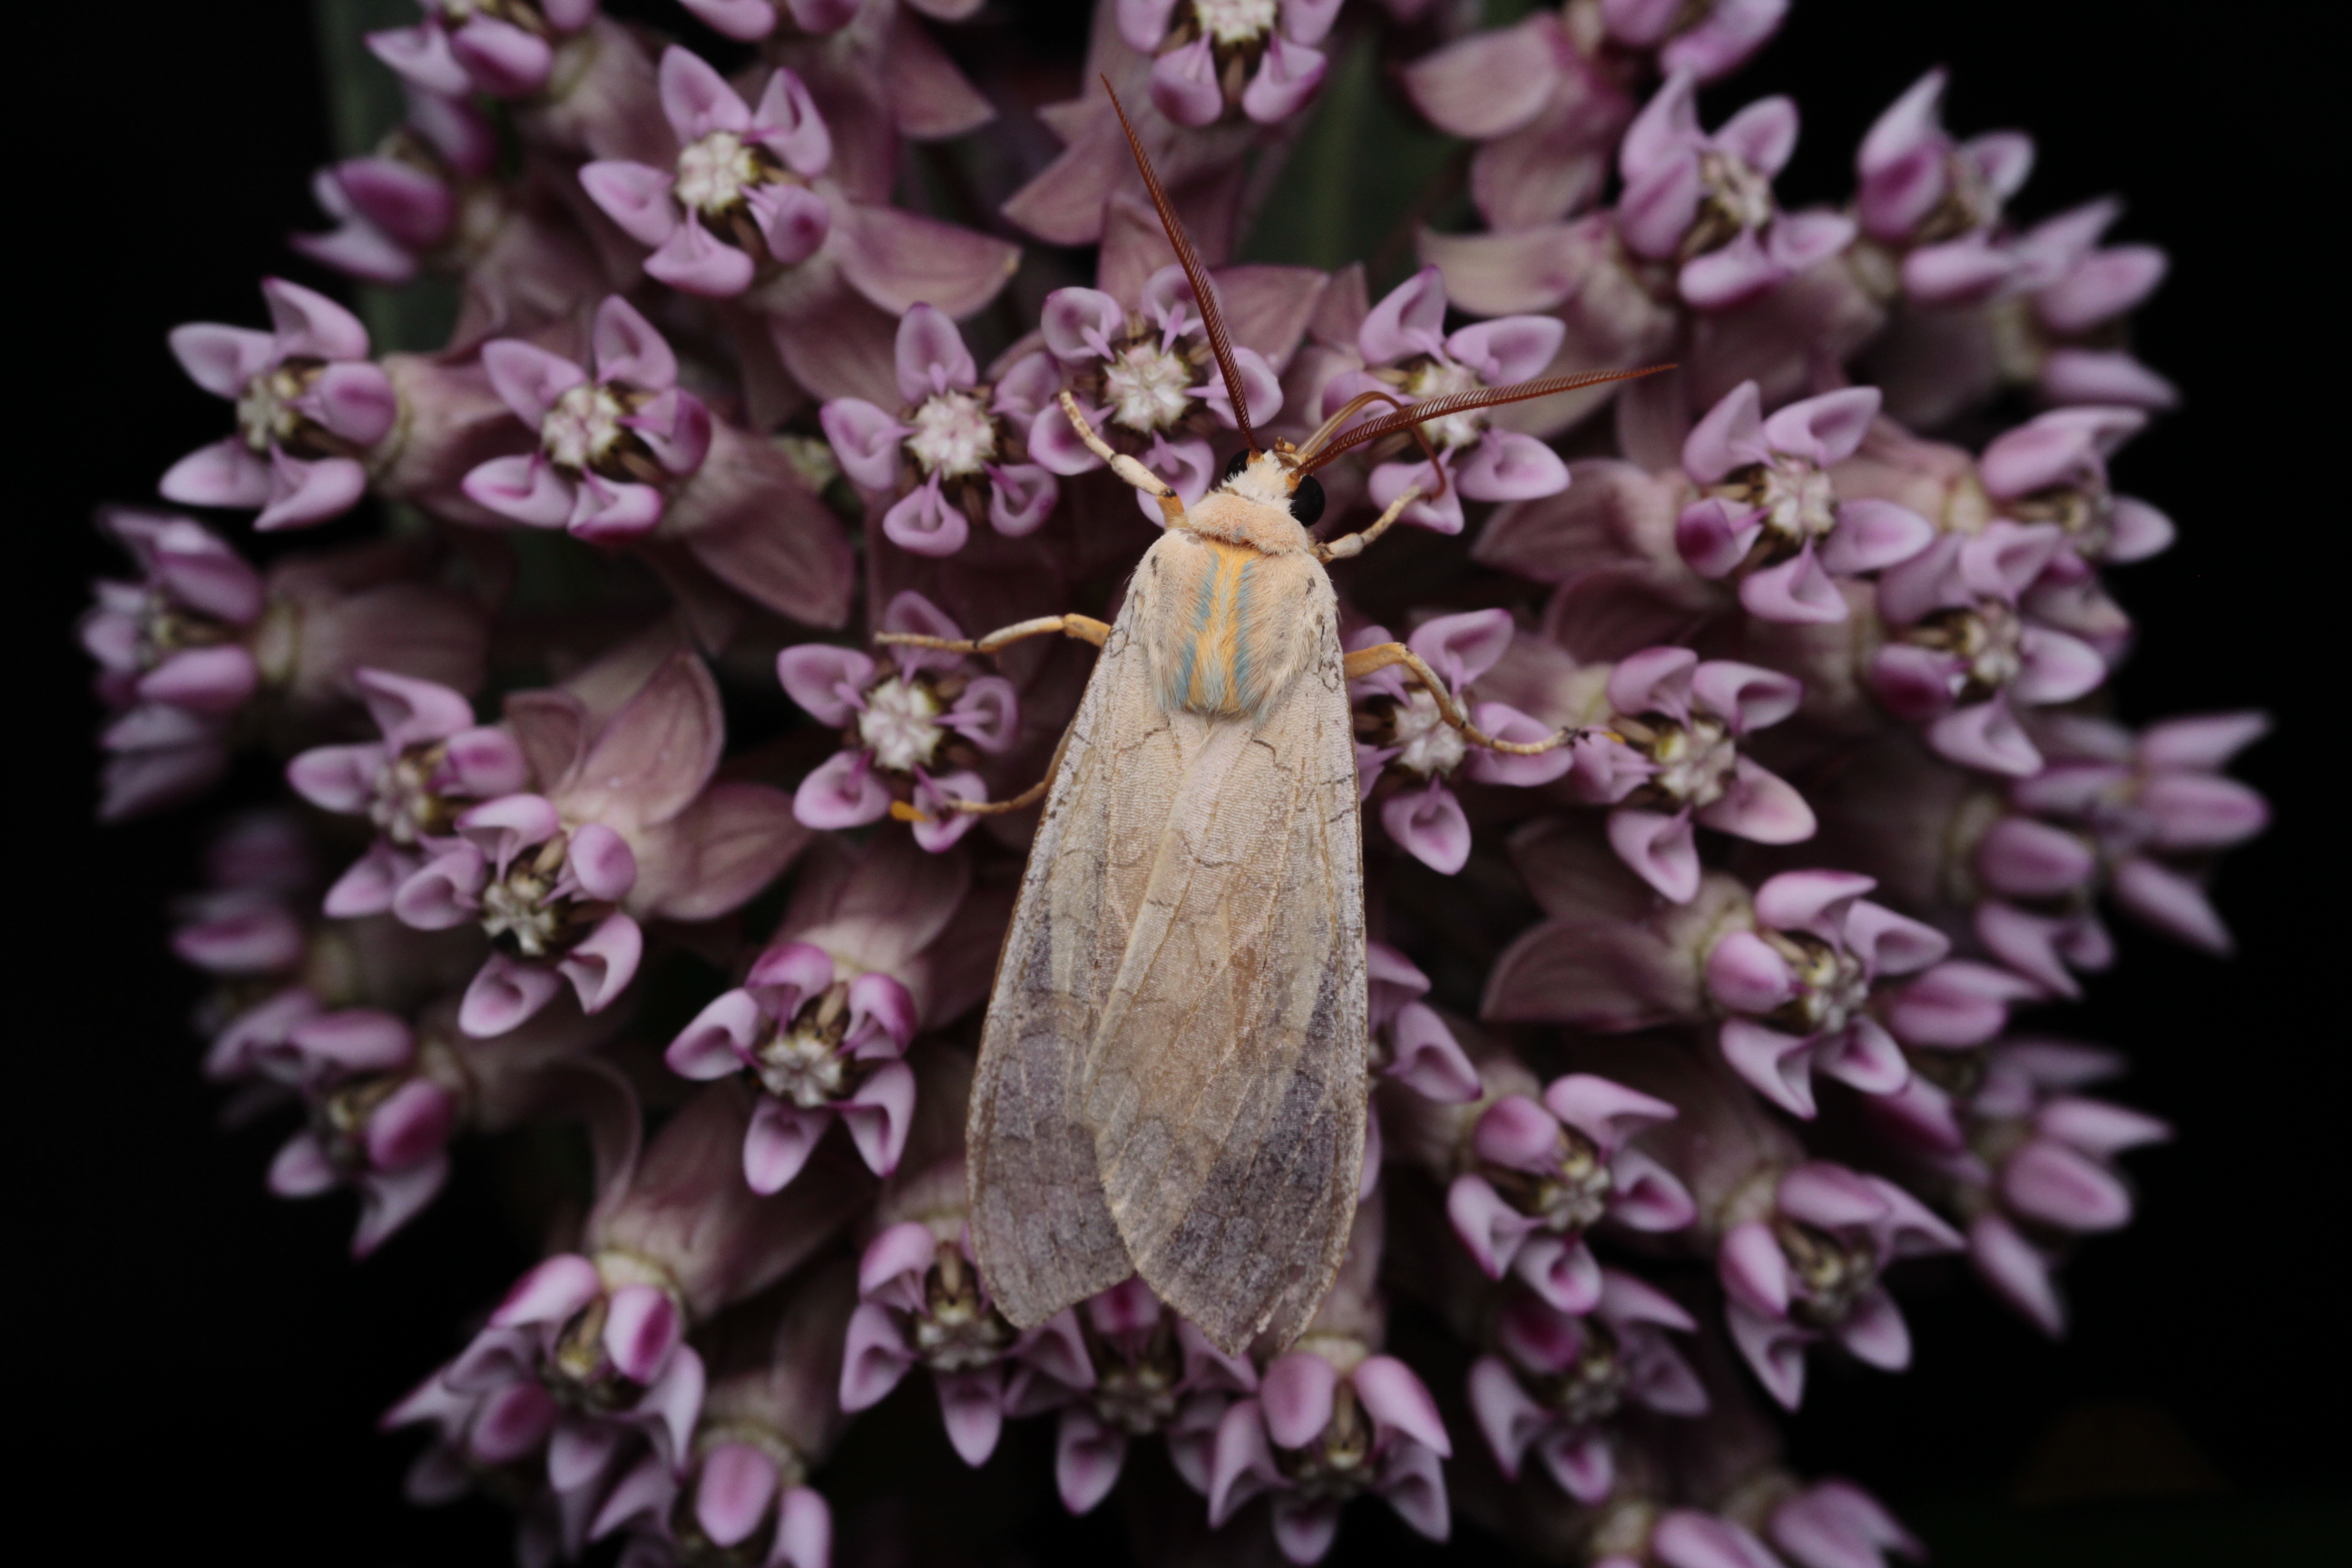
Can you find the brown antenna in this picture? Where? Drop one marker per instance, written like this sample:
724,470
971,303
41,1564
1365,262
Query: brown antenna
1420,413
1219,344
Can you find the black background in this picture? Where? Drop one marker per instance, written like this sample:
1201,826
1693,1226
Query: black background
198,1367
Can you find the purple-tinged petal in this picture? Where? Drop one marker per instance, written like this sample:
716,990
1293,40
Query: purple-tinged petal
1730,437
1296,1396
1955,1004
826,681
1490,1230
1796,592
2058,1185
972,1407
2026,858
1799,241
1021,497
931,355
1425,1058
602,964
874,1358
525,489
505,827
1754,1270
1508,466
1874,1332
842,792
720,1038
1763,136
1286,77
1826,429
445,892
1732,275
302,1169
1660,205
2054,668
1889,943
879,1114
602,861
988,714
1506,1417
221,359
1776,1066
505,994
1512,348
1774,1351
1661,849
502,60
1986,735
940,828
1397,1401
210,682
1241,1465
528,379
1746,974
1714,536
1462,647
788,124
634,196
226,474
1649,1197
693,262
1430,826
1089,1455
550,1293
731,1495
411,1124
1516,1131
866,441
1562,1270
641,1329
1184,85
2017,1271
697,99
306,324
1761,807
924,524
1608,1113
803,1518
1872,535
304,493
779,1143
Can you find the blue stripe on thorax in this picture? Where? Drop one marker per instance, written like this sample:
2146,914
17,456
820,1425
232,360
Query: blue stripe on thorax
1238,693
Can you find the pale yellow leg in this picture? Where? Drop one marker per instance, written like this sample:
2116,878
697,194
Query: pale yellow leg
1340,548
1171,505
1381,655
1086,628
901,811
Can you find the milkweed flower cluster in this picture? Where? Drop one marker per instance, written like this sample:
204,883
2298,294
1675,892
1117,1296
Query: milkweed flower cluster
1850,802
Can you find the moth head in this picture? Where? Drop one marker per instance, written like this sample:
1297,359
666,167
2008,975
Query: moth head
1274,478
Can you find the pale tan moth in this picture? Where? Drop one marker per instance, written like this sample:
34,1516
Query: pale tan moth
1173,1072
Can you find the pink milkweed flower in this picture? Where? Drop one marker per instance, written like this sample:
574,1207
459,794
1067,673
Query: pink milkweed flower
396,205
1669,757
1963,654
629,827
2053,469
1410,755
1331,1422
1560,1378
1146,380
675,1238
1687,1538
1800,986
901,716
172,658
922,1302
1834,1523
1811,1267
506,48
1404,350
409,784
310,407
1216,56
383,1098
2030,1159
1411,1043
1154,1372
956,452
2154,808
1704,202
1938,200
739,194
609,444
1535,1176
768,1418
749,21
866,956
1767,512
2077,292
1709,40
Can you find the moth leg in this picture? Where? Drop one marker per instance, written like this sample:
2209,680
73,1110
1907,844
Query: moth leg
1171,505
1381,655
1340,548
902,812
1086,628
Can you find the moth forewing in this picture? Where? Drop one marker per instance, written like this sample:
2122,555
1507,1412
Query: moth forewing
1225,1081
1187,960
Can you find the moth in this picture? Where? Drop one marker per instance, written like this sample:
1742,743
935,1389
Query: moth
1172,1071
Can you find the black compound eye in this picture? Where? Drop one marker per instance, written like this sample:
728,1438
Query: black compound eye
1235,464
1306,501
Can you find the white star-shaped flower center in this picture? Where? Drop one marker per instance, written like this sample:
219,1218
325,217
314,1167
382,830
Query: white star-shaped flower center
582,427
1149,387
1427,744
900,725
951,435
1441,378
1235,22
713,173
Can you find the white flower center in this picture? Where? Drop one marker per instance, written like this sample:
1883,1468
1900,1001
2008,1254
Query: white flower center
1147,387
1429,745
1442,378
951,435
517,907
1830,986
265,409
1236,21
714,173
582,427
1694,765
405,808
800,1064
1796,500
900,725
1741,197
